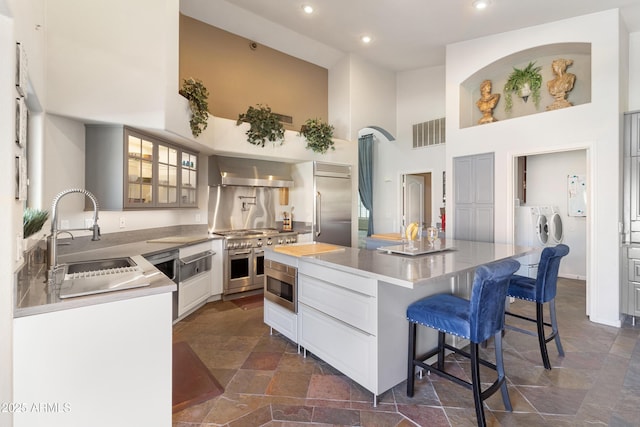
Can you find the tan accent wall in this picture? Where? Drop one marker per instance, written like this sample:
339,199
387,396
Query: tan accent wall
238,76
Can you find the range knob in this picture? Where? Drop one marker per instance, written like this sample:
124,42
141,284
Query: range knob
287,241
293,239
280,241
259,243
269,242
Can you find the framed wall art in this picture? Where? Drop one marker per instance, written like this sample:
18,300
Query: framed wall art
21,122
21,70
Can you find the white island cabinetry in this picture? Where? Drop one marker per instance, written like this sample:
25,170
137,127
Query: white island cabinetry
337,321
100,365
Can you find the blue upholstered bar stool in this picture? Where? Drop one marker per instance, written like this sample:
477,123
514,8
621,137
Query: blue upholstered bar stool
541,290
477,320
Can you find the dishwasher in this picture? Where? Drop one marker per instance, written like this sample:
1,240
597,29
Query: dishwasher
167,263
195,276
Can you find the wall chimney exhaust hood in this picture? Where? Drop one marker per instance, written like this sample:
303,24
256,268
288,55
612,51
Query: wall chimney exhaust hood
248,172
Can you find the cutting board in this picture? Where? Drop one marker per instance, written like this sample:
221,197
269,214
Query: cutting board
309,249
387,236
179,239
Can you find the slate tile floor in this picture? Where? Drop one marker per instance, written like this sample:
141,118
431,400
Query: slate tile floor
267,383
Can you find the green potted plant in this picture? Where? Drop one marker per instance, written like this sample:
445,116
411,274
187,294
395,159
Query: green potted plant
264,125
32,221
197,95
523,82
318,135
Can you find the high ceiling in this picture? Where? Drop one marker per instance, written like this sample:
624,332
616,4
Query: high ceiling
406,34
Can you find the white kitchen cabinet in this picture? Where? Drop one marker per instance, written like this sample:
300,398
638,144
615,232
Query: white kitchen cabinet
282,320
357,323
348,349
193,293
217,267
337,321
127,169
195,290
102,365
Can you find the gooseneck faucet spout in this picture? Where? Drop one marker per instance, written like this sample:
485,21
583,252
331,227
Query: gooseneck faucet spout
53,247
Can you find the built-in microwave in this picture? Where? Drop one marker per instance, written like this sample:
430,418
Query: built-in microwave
281,284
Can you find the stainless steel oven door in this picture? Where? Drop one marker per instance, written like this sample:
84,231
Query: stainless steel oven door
238,270
258,268
281,284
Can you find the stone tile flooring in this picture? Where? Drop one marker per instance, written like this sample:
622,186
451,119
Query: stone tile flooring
267,383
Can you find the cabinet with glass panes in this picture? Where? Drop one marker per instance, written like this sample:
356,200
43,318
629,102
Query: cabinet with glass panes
153,172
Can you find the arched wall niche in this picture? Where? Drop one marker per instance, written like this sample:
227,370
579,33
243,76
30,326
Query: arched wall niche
498,72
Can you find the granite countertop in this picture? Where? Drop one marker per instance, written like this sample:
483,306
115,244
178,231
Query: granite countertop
410,271
33,295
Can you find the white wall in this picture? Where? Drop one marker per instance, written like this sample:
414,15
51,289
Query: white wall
112,61
634,76
10,211
420,97
547,186
594,127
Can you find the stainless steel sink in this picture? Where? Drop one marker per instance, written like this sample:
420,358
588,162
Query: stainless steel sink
98,276
97,265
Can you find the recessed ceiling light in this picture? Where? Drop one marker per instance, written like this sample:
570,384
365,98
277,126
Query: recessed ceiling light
366,39
307,9
481,4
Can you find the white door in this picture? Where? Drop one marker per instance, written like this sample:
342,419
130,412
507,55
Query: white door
413,198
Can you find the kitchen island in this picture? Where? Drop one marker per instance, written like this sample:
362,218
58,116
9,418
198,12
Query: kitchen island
352,303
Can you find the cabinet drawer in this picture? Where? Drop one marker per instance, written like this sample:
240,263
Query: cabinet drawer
634,270
363,285
347,349
353,308
193,292
281,319
634,299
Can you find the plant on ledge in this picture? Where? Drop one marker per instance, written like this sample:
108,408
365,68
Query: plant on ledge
523,82
318,135
32,221
197,95
264,125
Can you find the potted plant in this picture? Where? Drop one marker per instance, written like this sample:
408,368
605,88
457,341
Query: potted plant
197,95
318,135
32,221
523,82
264,125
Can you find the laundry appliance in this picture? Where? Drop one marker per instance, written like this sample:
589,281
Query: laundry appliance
536,226
554,224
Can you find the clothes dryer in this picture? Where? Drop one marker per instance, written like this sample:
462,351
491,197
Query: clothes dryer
530,229
554,223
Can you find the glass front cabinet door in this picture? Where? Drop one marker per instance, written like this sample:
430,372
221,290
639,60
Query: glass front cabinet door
159,175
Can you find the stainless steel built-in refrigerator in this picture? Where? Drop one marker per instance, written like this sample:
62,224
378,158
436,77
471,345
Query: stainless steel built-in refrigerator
332,203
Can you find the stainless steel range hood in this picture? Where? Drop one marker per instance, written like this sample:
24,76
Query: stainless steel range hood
248,172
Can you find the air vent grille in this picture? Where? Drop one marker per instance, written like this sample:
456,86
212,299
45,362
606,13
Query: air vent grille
429,133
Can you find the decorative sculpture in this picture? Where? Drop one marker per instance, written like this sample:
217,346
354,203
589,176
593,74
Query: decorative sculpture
561,85
487,103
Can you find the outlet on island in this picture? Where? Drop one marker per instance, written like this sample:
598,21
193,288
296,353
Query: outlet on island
123,223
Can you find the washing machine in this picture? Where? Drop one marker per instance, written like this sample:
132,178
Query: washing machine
531,228
554,223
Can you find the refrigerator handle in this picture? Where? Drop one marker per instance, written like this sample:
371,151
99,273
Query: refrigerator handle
318,210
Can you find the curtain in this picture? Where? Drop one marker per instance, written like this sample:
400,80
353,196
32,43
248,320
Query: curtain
365,176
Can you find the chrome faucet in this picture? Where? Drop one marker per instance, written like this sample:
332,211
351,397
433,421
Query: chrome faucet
53,242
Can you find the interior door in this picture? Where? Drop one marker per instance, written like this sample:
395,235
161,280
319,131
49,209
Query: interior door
413,199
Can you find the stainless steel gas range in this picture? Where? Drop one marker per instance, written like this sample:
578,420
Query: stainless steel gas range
244,256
